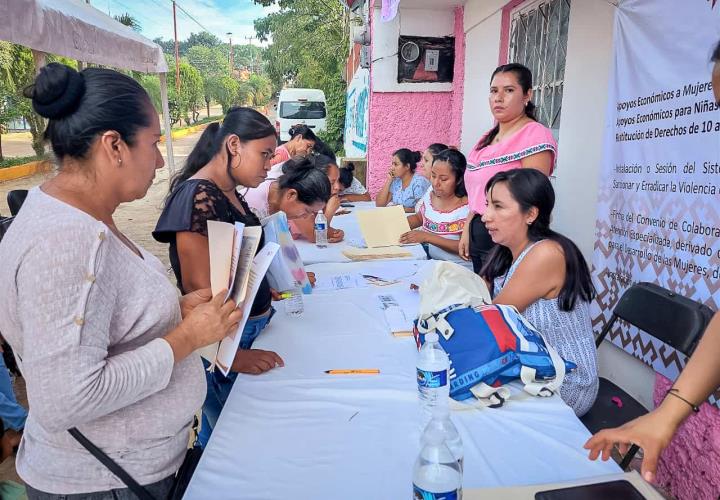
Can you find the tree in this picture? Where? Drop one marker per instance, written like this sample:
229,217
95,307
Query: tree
189,100
203,39
226,91
151,84
129,21
211,63
8,105
260,88
309,48
167,46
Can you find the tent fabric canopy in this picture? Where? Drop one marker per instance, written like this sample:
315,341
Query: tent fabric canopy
75,29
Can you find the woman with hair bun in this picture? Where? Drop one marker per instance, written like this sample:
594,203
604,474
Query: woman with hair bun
352,189
403,186
516,141
301,143
99,334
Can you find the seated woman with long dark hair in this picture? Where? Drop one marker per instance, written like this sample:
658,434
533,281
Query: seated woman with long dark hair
543,274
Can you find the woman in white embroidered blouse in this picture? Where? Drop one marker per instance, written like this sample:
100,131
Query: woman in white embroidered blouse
100,336
442,212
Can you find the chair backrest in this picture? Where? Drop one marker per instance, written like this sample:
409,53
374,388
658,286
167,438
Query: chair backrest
15,199
676,320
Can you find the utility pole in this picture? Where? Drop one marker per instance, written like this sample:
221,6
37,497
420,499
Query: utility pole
177,52
231,55
252,57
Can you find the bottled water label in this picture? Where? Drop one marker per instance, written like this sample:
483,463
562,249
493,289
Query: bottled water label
420,494
319,226
430,379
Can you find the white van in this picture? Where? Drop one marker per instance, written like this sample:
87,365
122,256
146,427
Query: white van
300,107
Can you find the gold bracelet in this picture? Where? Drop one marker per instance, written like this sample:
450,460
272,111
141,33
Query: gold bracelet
674,392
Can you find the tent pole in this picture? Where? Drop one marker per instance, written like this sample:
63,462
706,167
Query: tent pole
166,120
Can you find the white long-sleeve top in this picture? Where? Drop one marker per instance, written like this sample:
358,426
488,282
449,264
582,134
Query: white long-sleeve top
85,317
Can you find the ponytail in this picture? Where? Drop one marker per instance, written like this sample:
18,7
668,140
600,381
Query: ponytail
246,123
202,153
524,78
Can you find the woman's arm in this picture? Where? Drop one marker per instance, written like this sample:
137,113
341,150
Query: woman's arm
194,255
383,197
356,197
540,275
464,243
654,431
415,221
305,228
542,161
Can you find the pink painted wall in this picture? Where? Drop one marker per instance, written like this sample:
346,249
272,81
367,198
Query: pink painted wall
690,467
414,120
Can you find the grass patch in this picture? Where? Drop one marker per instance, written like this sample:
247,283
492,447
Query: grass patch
19,160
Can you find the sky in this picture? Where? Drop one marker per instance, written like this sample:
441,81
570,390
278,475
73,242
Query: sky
218,16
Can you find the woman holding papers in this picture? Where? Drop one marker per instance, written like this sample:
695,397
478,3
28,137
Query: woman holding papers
403,186
443,210
516,141
543,274
235,154
100,336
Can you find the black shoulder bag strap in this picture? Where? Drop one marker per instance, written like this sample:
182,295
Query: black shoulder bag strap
108,462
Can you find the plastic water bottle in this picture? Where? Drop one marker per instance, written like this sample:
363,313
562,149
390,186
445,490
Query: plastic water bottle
294,303
442,423
437,475
321,239
433,365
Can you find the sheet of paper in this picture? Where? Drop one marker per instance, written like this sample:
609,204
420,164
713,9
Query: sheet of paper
328,282
400,308
394,271
237,244
229,345
382,227
221,236
393,252
250,242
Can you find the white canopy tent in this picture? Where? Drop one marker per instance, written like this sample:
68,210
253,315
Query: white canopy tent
77,30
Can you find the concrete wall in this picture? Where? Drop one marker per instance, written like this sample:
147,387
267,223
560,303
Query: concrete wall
409,115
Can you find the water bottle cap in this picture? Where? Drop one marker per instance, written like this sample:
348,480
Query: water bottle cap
432,337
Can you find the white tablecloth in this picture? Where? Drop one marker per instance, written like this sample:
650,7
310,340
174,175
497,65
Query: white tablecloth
311,254
298,433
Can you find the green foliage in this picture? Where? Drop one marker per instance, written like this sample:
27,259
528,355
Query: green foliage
309,49
188,101
151,84
19,160
260,90
226,90
212,63
129,21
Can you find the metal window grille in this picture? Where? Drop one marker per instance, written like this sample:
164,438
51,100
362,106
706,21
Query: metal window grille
538,39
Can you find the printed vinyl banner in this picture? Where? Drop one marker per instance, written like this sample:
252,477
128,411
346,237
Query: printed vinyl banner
357,114
659,201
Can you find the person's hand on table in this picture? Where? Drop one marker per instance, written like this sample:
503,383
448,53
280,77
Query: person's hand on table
652,432
255,361
335,235
413,237
311,278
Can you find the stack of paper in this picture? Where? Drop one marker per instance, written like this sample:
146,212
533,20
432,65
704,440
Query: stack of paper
400,309
358,254
234,265
382,227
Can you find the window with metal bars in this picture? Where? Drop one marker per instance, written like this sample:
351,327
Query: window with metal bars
538,39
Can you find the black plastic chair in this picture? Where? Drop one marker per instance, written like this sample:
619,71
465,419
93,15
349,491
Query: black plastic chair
676,320
15,199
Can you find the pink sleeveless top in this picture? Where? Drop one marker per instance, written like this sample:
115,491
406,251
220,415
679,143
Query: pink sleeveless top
533,138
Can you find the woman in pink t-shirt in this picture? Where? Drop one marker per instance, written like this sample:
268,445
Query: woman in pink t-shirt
517,140
301,144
